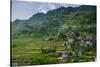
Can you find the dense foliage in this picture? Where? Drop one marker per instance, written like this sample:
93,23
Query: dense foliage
48,31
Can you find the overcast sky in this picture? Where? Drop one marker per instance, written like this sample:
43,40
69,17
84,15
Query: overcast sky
25,9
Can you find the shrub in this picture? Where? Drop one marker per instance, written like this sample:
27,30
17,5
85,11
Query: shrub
44,59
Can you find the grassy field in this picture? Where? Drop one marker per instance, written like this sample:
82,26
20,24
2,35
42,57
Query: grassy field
27,51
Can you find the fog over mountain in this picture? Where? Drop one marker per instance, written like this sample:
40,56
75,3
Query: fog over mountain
25,9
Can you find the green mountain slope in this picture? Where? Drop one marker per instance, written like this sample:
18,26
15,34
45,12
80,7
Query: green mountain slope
56,21
49,36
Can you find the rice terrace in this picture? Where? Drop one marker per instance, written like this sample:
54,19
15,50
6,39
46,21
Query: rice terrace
53,33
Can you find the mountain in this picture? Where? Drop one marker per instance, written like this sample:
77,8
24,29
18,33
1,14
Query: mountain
57,21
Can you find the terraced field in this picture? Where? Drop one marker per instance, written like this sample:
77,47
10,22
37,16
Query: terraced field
27,51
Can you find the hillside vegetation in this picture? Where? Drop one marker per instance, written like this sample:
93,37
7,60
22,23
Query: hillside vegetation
38,40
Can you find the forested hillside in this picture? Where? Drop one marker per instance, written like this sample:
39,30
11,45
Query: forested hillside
48,31
57,21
